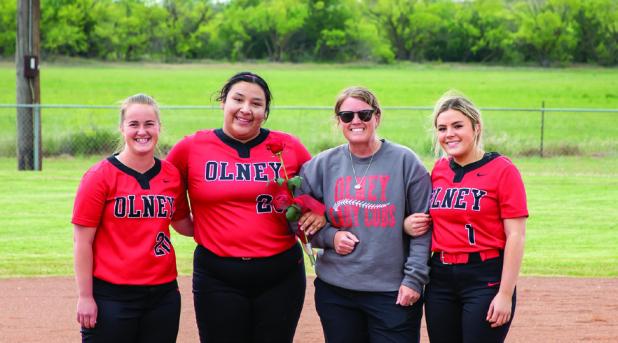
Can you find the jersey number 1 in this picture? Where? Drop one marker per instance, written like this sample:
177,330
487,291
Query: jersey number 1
470,230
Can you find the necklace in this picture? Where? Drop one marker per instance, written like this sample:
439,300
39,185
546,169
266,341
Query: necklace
358,185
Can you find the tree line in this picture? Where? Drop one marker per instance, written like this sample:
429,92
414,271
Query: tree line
497,31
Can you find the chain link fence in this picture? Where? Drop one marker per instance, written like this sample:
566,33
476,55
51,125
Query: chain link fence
93,130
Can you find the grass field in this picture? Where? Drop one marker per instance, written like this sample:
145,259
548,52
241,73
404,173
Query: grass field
573,223
571,230
317,85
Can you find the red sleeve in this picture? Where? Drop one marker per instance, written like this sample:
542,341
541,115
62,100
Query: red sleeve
182,204
90,199
512,194
178,156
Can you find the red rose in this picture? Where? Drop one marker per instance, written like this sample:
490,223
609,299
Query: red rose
282,201
275,146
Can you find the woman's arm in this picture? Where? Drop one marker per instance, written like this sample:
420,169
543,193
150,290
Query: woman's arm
499,311
83,237
184,226
417,224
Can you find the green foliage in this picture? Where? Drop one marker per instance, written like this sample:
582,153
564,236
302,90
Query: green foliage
548,32
65,25
8,13
94,141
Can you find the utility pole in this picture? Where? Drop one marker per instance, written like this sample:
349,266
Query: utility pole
27,54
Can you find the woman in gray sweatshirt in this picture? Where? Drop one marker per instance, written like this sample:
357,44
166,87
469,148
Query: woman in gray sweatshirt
370,273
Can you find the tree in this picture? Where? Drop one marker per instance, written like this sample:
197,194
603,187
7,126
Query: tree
547,32
277,21
185,33
393,18
8,18
65,26
598,32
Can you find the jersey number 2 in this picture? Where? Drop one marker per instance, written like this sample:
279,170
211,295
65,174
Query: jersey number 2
470,230
163,245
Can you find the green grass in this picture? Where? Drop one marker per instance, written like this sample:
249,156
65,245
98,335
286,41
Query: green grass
310,84
515,133
571,230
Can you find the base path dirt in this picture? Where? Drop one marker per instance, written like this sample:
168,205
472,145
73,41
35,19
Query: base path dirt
548,310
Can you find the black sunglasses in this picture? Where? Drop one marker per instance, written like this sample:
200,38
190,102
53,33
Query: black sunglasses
348,116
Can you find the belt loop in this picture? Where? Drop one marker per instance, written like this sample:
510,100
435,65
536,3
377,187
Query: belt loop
442,258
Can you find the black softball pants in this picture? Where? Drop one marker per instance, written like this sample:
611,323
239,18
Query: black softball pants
248,300
361,317
457,299
134,314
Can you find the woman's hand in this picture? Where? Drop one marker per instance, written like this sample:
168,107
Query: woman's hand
311,222
87,312
417,224
345,241
499,310
407,296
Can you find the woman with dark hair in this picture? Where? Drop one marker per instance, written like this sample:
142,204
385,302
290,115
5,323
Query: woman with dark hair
249,275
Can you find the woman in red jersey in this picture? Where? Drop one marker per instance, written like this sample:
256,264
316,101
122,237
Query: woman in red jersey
125,264
248,271
478,210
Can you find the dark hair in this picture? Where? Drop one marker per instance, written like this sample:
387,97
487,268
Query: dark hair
250,77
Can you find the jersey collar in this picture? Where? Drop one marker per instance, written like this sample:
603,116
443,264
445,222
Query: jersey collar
460,171
243,149
142,179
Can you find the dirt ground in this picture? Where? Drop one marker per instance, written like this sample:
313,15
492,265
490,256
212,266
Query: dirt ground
548,310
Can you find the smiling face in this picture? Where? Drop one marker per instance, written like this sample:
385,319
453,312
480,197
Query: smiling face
358,132
457,136
244,111
140,129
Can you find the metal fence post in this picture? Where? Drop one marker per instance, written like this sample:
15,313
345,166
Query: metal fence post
37,153
542,126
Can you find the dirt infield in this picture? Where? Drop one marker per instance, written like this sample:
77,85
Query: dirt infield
548,310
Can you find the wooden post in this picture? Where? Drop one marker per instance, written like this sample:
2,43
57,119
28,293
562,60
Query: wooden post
27,54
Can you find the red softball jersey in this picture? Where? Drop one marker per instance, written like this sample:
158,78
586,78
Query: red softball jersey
131,213
468,204
227,186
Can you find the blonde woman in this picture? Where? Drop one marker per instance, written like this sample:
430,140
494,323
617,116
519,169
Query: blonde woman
125,265
478,210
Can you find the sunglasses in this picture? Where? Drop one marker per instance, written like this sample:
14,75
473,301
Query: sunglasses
348,116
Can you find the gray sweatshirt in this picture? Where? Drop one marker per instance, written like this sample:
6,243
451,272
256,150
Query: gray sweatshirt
396,185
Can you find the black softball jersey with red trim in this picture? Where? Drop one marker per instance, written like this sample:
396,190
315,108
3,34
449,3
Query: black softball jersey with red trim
227,186
469,203
131,212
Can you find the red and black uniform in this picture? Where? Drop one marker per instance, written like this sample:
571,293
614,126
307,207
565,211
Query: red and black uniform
468,206
134,264
248,279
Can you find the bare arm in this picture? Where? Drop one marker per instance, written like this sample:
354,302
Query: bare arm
83,238
416,224
184,226
500,309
